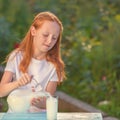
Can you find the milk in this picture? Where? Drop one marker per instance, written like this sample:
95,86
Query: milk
52,108
19,101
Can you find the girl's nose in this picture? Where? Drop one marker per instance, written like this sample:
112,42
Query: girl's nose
49,40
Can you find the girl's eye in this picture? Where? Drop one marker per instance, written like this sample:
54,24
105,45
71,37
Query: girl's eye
45,35
54,38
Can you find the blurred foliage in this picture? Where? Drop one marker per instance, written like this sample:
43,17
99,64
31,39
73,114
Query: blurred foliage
90,45
5,38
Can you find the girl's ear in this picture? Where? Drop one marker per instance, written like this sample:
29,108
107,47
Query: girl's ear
33,30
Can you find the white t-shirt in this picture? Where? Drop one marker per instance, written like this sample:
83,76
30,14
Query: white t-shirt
41,70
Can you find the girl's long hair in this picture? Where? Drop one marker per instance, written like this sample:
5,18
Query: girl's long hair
53,55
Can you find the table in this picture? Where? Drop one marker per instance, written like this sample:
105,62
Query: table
42,116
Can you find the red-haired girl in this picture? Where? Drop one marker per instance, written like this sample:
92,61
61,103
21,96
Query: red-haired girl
36,63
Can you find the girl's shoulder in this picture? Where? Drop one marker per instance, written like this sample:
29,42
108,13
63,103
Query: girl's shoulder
15,54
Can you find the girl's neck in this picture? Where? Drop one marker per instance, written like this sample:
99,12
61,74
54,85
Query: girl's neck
39,56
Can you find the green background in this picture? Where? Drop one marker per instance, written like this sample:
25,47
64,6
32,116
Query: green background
90,45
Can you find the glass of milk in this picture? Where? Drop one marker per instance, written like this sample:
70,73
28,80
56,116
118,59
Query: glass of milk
52,107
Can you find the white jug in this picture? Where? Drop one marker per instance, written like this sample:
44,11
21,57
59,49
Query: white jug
19,100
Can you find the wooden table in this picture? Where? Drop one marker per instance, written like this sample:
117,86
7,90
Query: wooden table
42,116
79,116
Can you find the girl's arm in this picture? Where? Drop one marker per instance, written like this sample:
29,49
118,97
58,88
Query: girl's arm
51,87
7,85
41,102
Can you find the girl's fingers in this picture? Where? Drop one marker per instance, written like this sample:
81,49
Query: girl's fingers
39,102
35,102
25,79
33,89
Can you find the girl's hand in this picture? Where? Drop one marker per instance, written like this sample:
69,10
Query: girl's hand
39,102
25,79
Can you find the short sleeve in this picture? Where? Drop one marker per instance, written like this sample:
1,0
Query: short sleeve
10,66
54,76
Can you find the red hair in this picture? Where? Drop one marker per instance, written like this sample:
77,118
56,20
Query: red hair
52,55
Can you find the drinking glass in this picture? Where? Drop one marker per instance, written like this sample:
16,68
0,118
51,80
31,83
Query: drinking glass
52,107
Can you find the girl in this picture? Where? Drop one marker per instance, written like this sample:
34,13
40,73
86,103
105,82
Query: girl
36,64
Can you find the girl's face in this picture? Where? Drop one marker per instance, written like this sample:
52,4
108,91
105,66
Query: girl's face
45,37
